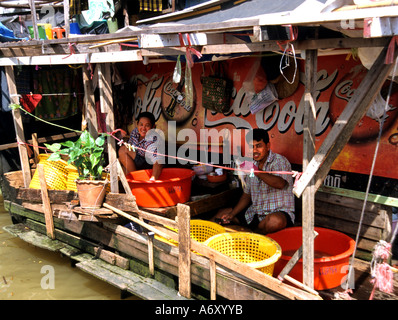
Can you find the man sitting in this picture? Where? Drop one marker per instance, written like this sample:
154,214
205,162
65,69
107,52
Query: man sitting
267,202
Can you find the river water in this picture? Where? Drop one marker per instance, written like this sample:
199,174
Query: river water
24,266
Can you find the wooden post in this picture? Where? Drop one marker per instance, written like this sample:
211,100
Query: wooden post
151,261
35,143
34,19
90,114
213,279
123,179
66,18
48,212
308,203
184,250
106,100
23,153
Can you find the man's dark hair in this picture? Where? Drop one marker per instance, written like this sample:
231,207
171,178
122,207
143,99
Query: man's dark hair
148,115
258,135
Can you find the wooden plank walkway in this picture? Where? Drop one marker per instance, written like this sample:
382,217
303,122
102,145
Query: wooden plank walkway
125,280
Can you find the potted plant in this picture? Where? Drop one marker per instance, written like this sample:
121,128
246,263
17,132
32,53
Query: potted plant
86,154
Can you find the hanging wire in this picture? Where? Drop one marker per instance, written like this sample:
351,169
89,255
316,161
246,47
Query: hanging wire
381,124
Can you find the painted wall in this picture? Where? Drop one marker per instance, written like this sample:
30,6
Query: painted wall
338,78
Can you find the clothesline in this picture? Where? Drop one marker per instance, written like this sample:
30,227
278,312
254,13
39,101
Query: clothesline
295,174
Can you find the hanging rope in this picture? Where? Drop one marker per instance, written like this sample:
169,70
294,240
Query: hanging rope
247,167
382,276
381,124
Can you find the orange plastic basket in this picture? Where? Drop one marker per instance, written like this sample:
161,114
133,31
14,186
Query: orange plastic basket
55,173
257,251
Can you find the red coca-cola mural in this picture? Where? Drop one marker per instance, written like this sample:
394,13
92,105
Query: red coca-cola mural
337,79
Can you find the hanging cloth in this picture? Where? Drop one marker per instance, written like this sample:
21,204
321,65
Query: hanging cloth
30,101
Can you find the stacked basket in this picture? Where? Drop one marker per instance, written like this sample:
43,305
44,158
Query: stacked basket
55,173
201,230
257,251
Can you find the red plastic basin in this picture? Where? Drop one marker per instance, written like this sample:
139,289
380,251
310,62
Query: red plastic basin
172,187
331,257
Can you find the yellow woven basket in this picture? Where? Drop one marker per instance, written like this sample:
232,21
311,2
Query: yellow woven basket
201,230
54,171
257,251
73,175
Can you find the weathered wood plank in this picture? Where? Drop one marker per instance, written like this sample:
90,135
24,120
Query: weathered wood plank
89,112
112,258
184,250
337,212
48,212
34,238
142,287
18,125
308,204
326,191
55,196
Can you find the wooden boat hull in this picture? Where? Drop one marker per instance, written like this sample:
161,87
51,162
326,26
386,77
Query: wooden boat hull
86,236
81,237
100,245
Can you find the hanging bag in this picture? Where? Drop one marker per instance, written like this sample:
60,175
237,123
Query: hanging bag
217,91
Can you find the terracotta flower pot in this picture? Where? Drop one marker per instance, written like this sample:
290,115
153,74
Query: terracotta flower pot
91,193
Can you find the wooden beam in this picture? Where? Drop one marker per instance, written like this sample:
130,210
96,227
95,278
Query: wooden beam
106,102
184,251
34,19
77,58
123,179
170,40
308,203
213,279
36,151
222,48
41,140
66,18
48,212
89,102
19,131
341,131
151,261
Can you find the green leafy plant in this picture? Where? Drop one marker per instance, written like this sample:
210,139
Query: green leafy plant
86,154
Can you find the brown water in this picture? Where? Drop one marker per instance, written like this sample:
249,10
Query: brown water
25,270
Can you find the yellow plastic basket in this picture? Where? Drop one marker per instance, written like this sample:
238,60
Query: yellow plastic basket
257,251
201,230
55,173
73,175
